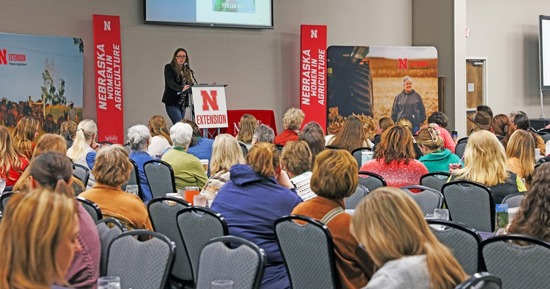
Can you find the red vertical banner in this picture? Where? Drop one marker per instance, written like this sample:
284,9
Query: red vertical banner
108,78
313,75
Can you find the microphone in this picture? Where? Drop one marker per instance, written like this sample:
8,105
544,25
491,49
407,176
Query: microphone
187,66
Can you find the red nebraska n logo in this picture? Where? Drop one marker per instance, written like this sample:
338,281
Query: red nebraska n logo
402,63
3,57
209,100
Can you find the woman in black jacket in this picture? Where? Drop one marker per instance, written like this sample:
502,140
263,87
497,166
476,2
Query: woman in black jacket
177,85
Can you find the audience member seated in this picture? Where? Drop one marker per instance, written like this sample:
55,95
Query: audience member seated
335,178
39,239
226,152
160,137
351,136
83,150
406,123
436,158
46,170
485,163
26,131
499,126
263,133
112,169
12,162
440,120
533,216
481,121
49,143
486,109
138,138
405,252
394,159
383,124
520,152
188,170
200,147
292,121
296,162
314,136
247,126
68,131
258,194
520,120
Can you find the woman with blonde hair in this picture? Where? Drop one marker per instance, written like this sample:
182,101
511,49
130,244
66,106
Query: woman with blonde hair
25,133
520,152
405,123
334,179
226,152
351,136
405,251
83,150
39,238
68,131
160,137
112,169
292,121
435,157
12,163
394,159
247,126
485,163
257,194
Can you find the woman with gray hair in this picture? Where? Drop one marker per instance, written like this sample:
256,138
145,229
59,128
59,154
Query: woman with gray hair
408,104
188,170
139,137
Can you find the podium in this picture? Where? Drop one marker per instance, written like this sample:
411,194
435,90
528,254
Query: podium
209,106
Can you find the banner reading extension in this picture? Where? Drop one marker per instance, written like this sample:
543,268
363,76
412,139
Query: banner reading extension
376,81
210,106
313,78
108,78
40,77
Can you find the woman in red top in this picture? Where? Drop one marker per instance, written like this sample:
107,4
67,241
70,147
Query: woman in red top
12,163
394,159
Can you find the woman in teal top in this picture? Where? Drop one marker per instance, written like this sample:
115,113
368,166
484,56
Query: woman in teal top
435,158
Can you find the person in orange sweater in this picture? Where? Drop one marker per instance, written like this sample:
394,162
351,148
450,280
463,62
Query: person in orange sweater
335,178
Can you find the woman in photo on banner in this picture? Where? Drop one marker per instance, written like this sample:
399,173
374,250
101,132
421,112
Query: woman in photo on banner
177,85
408,104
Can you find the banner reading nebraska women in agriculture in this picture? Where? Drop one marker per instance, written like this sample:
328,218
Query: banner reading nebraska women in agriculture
40,77
108,78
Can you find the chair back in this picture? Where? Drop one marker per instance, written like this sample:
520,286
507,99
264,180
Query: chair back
82,173
160,177
4,198
470,203
371,180
134,179
481,280
435,180
140,264
307,248
358,155
92,208
197,226
519,266
513,200
461,147
352,201
463,241
244,149
107,229
427,199
163,214
231,258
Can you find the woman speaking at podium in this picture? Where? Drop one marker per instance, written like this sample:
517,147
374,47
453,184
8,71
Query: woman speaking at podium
177,85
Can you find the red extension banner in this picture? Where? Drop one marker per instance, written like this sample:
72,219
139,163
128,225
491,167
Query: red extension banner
108,78
313,76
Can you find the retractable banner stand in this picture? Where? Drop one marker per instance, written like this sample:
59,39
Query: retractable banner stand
210,106
108,78
313,77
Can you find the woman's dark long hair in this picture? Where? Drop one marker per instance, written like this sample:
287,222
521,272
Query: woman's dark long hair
182,72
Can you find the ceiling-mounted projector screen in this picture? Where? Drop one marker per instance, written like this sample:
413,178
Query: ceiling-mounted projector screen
213,13
545,51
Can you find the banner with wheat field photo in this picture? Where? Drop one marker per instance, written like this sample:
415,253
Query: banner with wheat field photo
41,77
381,81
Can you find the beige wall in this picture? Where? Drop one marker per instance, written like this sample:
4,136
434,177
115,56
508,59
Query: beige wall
260,66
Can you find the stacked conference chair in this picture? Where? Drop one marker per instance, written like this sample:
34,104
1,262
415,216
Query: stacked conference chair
427,198
470,203
231,258
308,252
92,208
160,177
82,173
352,201
435,180
107,229
371,180
140,264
